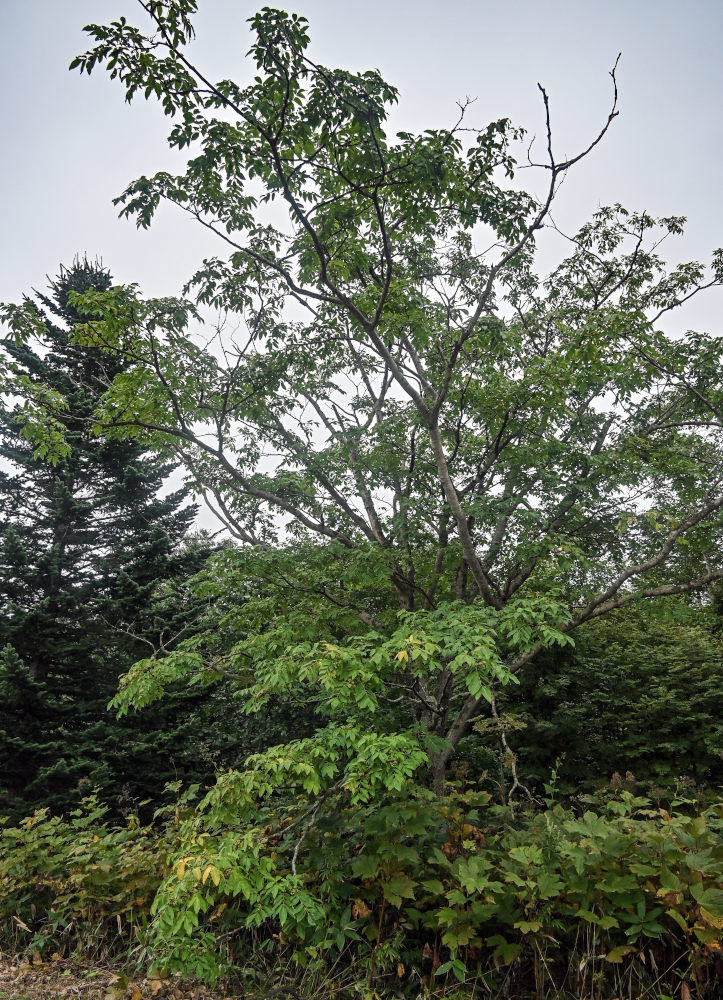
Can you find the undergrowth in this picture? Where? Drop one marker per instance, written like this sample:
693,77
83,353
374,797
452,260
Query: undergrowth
415,896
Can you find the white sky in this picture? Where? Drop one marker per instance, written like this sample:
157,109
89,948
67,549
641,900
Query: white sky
71,143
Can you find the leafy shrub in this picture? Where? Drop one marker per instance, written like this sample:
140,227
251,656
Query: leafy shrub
78,883
640,692
417,889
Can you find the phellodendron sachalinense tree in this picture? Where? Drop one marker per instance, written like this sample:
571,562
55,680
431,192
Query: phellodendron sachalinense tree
504,456
438,462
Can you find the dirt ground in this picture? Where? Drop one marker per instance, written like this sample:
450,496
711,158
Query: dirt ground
63,979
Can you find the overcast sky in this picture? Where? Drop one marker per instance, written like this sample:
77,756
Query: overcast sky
71,144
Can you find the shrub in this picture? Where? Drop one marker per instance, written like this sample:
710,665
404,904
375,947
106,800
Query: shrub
418,890
641,692
78,883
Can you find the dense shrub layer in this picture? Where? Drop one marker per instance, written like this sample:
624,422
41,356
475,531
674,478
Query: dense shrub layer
420,892
78,883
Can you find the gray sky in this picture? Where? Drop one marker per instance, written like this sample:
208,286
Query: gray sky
71,143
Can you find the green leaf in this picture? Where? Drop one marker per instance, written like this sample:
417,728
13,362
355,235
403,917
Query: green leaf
397,888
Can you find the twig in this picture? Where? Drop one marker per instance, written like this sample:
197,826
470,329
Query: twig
311,812
509,757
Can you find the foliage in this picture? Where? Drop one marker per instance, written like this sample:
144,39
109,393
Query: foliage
640,693
279,643
78,882
440,465
533,449
409,888
91,565
411,870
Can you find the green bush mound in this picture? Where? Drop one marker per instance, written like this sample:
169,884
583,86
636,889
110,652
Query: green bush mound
640,692
420,892
78,883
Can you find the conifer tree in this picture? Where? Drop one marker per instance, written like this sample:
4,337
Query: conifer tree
83,546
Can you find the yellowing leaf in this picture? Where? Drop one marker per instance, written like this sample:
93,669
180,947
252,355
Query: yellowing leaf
215,874
181,867
711,919
617,954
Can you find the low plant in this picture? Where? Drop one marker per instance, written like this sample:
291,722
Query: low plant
78,883
416,893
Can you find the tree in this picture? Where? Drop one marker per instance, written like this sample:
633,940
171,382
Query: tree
84,545
514,455
439,462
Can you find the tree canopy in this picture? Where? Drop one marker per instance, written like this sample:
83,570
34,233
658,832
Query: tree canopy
501,455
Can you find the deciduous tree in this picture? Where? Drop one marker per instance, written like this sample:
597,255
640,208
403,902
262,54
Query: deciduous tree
438,460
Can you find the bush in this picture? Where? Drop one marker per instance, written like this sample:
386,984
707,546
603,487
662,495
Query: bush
78,883
420,890
640,692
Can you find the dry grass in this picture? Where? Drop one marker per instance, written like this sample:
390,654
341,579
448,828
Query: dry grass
68,979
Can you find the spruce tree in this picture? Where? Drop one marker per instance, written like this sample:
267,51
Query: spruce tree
84,544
